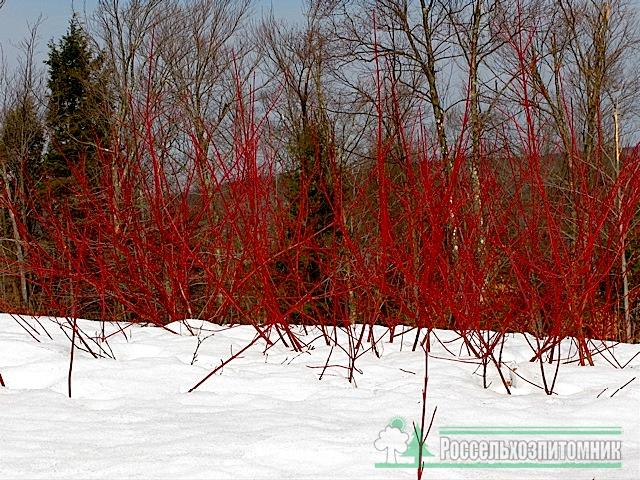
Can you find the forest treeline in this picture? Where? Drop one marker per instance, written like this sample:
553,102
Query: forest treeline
466,164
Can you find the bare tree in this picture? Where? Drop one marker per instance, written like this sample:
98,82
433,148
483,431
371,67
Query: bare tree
125,33
184,55
294,63
581,60
21,144
418,34
202,53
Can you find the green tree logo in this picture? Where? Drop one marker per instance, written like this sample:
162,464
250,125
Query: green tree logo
394,439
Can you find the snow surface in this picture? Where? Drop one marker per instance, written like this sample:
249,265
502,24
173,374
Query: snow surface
268,416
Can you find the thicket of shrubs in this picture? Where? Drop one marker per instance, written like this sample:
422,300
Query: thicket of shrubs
150,214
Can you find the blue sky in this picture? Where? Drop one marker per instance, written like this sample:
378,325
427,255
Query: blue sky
16,14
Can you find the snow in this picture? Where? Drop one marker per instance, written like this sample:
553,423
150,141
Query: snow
268,416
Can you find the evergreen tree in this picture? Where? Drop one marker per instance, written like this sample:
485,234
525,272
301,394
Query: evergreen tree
22,140
413,447
78,105
21,145
308,189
